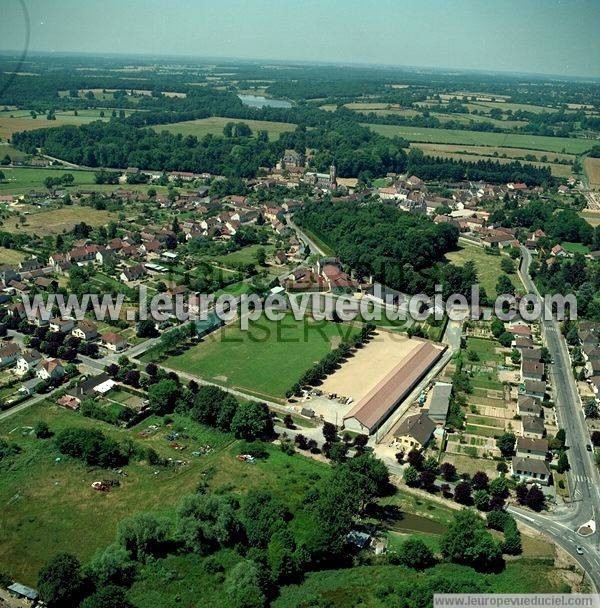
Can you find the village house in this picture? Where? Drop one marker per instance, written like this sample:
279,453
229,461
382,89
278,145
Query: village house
133,273
30,264
531,469
104,255
528,406
527,447
113,341
415,432
533,427
532,370
28,361
85,330
61,325
50,369
535,388
9,354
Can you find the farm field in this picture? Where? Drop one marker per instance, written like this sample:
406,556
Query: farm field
214,126
494,152
267,359
22,121
10,256
591,217
487,265
592,169
476,138
56,221
46,504
20,179
557,170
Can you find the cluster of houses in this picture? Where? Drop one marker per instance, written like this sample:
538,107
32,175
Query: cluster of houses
530,463
327,275
589,339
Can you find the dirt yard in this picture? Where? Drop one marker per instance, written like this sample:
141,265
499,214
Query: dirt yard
369,365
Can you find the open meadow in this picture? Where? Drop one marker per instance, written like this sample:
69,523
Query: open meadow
49,506
214,126
19,180
487,265
13,121
57,221
267,359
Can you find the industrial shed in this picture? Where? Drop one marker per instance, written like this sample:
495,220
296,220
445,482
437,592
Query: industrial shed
376,406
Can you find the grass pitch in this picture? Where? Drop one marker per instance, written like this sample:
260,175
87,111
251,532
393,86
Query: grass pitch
267,359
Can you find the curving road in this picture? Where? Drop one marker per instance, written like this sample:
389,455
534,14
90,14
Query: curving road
584,479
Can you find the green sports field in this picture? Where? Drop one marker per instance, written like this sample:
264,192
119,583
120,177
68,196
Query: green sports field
480,138
267,359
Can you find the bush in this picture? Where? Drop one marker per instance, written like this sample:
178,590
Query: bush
91,446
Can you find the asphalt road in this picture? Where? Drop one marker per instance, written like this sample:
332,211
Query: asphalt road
584,479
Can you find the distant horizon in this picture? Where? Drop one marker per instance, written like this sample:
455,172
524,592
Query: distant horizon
530,37
303,62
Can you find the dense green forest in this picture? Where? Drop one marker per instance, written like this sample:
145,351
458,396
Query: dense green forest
397,248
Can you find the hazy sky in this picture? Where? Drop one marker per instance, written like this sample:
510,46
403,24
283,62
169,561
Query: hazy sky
542,36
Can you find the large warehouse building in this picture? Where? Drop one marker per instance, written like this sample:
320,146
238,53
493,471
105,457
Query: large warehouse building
376,406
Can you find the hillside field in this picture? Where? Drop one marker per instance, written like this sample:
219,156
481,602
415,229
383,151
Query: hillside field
56,221
12,121
215,124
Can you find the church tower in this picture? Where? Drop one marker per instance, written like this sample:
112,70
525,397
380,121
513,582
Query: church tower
333,175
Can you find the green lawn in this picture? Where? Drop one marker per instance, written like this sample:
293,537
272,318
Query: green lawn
485,349
481,138
486,264
215,124
266,360
575,247
483,431
245,255
49,506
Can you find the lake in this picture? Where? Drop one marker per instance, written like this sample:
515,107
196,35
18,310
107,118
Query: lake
259,101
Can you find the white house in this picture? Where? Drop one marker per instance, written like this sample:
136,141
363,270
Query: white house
28,361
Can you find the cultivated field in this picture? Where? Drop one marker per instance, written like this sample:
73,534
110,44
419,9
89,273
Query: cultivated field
370,364
214,126
477,138
57,221
592,169
21,179
493,151
267,359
